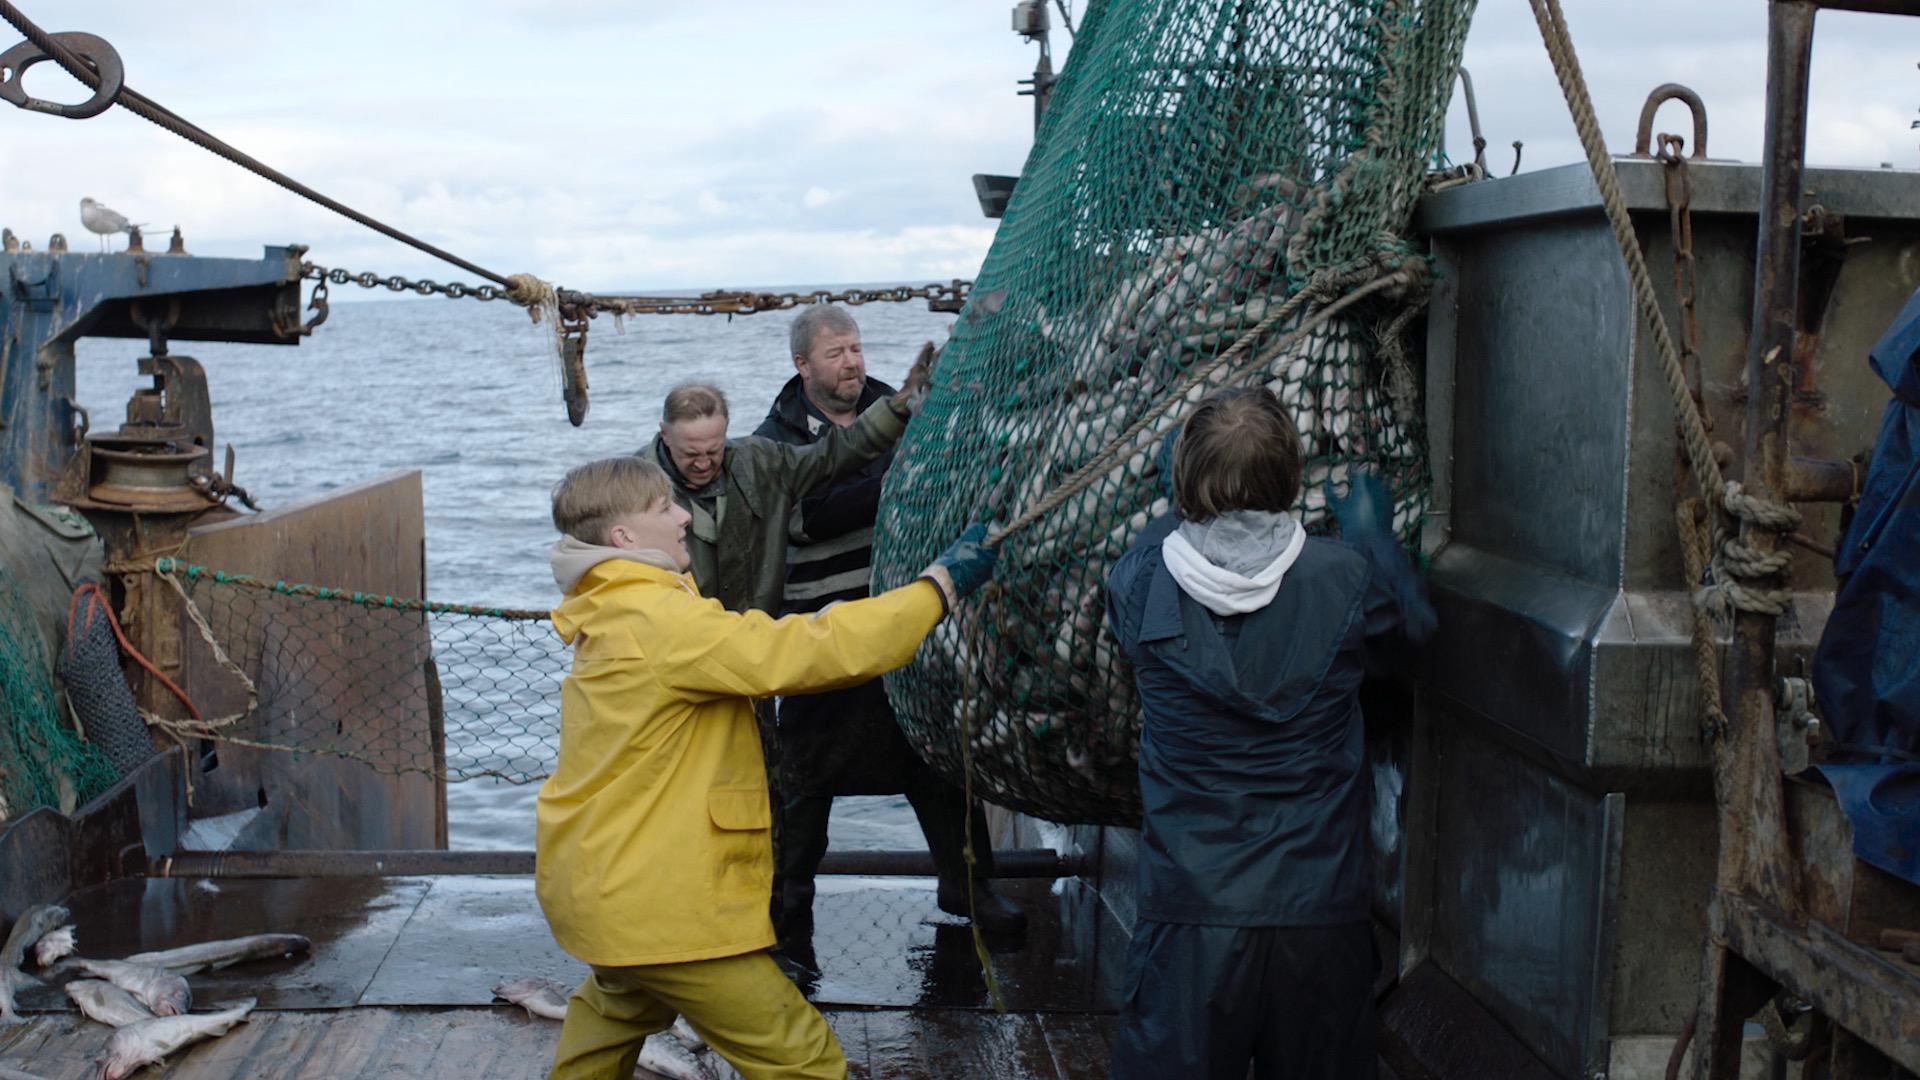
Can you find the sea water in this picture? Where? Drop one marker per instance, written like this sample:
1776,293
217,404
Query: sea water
468,393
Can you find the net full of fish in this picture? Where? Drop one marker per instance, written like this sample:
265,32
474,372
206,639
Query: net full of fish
1031,671
1202,165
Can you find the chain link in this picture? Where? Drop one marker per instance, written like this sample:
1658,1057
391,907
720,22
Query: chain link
367,279
940,296
1679,202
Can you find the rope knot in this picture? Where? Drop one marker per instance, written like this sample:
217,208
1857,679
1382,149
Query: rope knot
1772,514
535,295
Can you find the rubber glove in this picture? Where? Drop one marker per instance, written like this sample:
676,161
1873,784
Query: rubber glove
1367,510
912,395
964,566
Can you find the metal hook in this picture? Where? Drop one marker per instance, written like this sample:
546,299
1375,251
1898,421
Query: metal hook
94,50
1665,92
1473,121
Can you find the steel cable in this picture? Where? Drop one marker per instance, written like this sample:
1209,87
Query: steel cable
148,109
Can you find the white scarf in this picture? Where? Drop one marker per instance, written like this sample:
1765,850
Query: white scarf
1231,538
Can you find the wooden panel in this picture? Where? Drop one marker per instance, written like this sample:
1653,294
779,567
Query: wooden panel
1081,1043
348,1041
503,1042
370,538
894,1047
850,1027
986,1044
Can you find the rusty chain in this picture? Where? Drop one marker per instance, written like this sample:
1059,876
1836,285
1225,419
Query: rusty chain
947,296
1680,211
367,279
1694,517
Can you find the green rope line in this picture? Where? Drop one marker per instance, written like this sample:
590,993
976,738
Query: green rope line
320,592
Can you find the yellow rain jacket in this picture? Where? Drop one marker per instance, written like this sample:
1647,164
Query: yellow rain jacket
654,831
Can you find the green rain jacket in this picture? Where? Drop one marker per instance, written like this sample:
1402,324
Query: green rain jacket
738,538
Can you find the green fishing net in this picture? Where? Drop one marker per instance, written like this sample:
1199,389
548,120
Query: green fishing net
1210,174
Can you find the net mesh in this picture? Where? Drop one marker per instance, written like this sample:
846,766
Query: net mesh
1202,164
43,760
403,685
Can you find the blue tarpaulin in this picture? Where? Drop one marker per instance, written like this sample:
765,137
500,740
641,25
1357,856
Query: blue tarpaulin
1866,672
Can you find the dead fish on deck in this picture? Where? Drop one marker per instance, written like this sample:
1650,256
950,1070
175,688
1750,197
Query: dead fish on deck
30,927
105,1003
53,945
214,955
669,1053
665,1054
540,997
156,987
149,1041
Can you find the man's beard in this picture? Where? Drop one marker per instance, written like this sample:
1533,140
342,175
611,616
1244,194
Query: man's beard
843,396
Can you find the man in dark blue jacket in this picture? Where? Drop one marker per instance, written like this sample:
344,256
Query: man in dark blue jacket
846,742
1249,641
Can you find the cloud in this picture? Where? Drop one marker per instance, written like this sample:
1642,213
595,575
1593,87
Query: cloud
775,147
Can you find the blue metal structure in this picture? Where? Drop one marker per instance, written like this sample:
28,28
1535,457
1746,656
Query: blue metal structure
54,298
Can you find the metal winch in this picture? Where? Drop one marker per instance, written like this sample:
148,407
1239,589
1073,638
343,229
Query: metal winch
161,459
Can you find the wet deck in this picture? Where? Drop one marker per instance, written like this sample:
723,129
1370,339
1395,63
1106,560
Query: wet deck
401,975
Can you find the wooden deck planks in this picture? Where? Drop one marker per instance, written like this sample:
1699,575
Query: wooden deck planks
477,1043
894,1050
346,1044
985,1044
1080,1042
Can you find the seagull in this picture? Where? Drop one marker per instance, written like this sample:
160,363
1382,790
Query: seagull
103,220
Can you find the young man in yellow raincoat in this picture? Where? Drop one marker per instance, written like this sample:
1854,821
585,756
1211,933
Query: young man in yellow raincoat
655,862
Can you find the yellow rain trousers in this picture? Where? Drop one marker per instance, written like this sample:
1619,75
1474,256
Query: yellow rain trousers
654,844
741,1005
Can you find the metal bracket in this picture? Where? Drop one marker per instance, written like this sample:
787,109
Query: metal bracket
1665,92
94,50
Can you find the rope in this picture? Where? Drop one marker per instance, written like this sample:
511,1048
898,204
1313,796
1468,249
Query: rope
1737,565
167,567
146,108
973,921
1073,485
97,604
1695,547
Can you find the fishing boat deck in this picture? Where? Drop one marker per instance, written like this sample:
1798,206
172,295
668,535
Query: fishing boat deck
400,981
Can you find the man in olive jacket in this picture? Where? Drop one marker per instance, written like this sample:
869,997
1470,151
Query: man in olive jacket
741,492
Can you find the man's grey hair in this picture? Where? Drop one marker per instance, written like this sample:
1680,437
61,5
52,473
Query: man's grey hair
812,320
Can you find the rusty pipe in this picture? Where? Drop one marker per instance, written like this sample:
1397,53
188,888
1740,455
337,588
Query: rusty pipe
1821,480
1024,863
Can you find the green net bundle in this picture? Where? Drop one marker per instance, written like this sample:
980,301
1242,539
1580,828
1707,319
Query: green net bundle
1209,176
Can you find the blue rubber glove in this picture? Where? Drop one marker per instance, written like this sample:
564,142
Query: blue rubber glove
969,561
1367,510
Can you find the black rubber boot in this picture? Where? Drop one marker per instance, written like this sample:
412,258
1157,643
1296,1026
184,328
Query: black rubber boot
993,913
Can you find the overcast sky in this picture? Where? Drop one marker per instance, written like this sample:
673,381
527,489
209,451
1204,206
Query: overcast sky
609,144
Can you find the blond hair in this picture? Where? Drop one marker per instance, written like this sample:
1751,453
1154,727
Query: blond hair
590,496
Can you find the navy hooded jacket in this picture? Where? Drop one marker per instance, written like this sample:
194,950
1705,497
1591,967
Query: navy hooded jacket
1253,776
